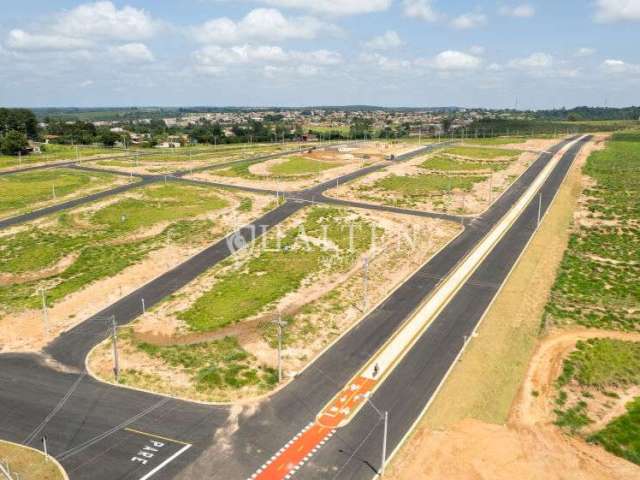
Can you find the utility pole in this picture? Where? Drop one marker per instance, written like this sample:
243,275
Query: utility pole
53,189
385,417
114,337
280,324
45,313
144,310
365,285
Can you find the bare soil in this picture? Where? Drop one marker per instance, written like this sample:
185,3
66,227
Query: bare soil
481,196
529,446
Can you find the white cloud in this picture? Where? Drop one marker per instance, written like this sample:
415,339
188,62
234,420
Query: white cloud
21,40
608,11
105,20
421,9
215,59
260,24
132,52
619,66
385,63
388,40
333,7
454,60
585,52
477,50
86,83
519,11
469,20
535,61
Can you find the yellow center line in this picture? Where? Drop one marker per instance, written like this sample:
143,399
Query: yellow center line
152,435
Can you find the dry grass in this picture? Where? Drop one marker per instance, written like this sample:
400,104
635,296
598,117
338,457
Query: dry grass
28,463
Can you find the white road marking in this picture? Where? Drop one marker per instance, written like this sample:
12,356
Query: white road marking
166,462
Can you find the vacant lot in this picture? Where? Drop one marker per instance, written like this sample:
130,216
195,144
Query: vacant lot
161,161
461,179
26,191
309,272
596,286
482,153
54,153
303,170
106,249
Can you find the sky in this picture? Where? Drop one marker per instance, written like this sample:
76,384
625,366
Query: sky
530,54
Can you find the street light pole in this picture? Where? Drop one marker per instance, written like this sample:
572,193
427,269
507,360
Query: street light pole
279,323
539,208
383,463
114,337
383,416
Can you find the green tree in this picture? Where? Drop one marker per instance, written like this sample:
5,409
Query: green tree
13,142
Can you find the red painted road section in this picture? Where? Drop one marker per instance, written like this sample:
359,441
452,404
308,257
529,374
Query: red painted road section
301,448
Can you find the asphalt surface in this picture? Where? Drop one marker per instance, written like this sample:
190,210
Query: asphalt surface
229,445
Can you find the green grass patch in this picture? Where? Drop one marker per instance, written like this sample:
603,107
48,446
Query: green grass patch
426,185
20,191
53,152
96,241
482,153
603,363
300,166
596,285
220,364
622,436
445,163
159,203
279,269
495,140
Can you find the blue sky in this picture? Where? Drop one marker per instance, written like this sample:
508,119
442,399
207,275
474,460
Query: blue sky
542,54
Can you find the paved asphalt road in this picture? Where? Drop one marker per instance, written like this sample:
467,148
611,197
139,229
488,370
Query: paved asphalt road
229,443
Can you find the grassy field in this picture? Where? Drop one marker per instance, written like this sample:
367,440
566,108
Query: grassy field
597,286
300,166
482,153
278,270
54,153
604,365
21,191
622,436
96,241
28,463
495,141
426,185
444,163
220,364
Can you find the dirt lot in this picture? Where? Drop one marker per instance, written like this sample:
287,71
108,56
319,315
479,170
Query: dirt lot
344,160
324,307
26,331
472,202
